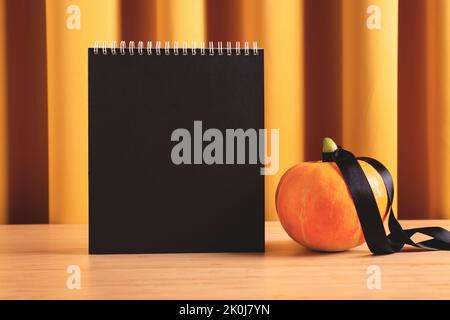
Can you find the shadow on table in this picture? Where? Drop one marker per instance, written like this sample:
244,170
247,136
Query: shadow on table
286,248
45,251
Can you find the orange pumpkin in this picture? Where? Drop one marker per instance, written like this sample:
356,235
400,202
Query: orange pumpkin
316,209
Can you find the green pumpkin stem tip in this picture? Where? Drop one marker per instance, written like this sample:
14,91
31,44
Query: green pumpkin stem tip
329,145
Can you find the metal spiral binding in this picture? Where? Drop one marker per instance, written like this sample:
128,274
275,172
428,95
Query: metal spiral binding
202,48
122,47
149,49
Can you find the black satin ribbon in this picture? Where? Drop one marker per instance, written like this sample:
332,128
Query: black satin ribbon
369,215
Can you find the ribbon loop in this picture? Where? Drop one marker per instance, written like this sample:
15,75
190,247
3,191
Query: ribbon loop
368,213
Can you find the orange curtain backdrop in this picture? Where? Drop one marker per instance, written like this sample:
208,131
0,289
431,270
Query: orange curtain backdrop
382,92
72,27
424,109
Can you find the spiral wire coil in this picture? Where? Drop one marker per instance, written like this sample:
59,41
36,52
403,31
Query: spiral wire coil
151,48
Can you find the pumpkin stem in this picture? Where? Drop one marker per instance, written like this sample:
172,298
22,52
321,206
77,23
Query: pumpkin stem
329,145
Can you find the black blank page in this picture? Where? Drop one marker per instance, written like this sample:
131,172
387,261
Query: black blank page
139,201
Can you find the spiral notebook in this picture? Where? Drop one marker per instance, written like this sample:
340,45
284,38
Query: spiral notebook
154,186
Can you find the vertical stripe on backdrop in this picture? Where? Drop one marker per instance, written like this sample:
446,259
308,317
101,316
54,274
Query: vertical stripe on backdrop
253,24
180,20
72,27
438,106
3,122
369,64
323,73
224,20
444,105
138,20
284,90
413,195
26,111
424,109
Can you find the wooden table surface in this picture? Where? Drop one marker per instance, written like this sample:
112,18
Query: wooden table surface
34,260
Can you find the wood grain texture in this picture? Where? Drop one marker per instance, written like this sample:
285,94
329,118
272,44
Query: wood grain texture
34,258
